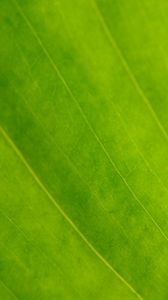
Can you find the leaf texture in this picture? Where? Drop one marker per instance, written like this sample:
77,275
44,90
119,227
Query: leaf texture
83,150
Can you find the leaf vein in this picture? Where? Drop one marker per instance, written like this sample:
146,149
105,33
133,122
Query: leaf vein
128,69
42,186
84,116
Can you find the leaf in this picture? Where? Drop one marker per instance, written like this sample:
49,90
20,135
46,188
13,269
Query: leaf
84,150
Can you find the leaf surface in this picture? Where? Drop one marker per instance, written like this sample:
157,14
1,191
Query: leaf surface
84,150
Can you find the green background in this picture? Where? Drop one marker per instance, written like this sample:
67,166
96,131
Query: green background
84,150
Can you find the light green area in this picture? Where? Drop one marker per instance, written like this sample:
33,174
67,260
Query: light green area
84,150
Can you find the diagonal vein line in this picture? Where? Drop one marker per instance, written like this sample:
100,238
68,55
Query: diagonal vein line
15,256
84,116
8,289
134,143
71,163
38,181
76,169
52,261
125,127
128,69
147,163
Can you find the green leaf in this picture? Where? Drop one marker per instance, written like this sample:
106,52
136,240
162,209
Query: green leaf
84,150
